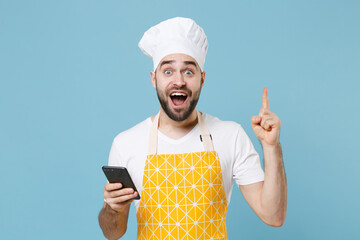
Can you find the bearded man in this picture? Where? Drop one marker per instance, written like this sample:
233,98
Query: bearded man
184,162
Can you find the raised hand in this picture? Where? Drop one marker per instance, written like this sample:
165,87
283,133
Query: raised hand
266,125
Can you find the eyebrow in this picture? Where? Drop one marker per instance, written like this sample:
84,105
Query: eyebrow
191,63
172,61
166,62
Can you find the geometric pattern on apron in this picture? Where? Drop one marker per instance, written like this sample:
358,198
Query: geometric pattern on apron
182,198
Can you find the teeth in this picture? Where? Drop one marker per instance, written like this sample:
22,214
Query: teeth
178,95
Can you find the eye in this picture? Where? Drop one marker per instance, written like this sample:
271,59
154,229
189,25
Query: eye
188,72
167,72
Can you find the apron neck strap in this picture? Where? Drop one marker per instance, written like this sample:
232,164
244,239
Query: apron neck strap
205,136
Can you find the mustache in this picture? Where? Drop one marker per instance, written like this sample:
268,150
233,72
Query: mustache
184,89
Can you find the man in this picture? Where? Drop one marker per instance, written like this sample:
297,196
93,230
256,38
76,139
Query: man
184,162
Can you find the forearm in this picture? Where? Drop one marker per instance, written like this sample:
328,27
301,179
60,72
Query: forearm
274,192
112,223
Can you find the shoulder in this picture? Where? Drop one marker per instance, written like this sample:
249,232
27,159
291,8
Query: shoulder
214,123
227,131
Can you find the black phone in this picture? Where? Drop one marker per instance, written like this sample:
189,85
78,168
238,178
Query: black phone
116,174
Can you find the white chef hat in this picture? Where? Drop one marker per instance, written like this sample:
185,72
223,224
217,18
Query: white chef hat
175,35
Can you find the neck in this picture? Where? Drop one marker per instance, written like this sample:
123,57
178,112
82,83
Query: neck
175,129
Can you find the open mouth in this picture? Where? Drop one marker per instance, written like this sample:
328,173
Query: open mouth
178,98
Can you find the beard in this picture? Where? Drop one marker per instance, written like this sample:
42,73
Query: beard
178,114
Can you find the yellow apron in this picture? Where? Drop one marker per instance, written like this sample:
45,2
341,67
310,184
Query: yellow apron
183,195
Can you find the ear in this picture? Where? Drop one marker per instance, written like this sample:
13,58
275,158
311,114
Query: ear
153,78
203,73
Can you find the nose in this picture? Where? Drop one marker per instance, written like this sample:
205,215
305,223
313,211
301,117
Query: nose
179,80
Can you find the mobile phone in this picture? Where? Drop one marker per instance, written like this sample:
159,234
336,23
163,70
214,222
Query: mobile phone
116,174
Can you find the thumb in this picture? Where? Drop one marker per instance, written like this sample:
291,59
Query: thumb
255,124
255,120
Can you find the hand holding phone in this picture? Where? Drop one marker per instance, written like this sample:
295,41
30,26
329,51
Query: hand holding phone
120,191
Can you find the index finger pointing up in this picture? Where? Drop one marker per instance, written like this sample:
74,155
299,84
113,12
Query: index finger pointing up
265,102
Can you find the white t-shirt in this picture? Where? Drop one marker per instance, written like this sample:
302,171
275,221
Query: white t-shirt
238,159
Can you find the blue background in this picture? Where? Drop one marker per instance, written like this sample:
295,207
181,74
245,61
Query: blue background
72,78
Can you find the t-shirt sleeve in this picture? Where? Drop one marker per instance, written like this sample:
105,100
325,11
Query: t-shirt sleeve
247,167
114,156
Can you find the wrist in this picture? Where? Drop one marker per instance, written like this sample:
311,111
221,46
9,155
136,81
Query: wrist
119,211
272,155
110,210
271,147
